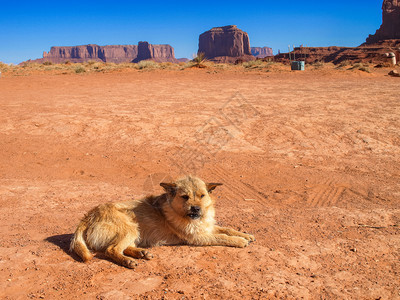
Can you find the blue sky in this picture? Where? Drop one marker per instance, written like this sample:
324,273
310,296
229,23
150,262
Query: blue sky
27,28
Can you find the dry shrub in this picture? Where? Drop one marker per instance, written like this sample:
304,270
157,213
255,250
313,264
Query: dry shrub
365,69
222,66
90,62
252,64
167,66
80,69
4,67
318,64
343,64
361,67
147,64
199,61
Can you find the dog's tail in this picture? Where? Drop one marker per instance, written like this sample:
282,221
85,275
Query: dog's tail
78,244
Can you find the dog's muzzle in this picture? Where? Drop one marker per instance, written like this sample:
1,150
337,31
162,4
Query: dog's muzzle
194,212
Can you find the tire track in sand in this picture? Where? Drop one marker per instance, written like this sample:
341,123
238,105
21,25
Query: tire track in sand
327,193
235,189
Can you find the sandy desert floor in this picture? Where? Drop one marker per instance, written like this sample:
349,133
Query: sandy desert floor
310,164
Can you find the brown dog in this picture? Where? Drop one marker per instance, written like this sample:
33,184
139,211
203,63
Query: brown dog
183,215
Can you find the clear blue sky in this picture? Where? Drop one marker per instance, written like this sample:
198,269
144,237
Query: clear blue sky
27,28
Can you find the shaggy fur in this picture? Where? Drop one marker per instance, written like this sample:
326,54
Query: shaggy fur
182,215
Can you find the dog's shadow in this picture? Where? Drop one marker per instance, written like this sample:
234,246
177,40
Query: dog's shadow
63,241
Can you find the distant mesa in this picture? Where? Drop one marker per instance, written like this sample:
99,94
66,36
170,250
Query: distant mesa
227,44
261,52
390,28
79,54
109,53
183,60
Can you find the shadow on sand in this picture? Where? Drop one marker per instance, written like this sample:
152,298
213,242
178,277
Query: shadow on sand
62,241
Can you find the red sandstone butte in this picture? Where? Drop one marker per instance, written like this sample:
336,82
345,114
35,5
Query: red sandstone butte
226,44
390,28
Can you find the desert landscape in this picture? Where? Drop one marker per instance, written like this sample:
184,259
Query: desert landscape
309,162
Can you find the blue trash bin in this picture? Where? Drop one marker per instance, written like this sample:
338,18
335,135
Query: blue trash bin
298,65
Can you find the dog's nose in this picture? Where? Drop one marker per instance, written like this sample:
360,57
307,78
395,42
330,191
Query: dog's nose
195,209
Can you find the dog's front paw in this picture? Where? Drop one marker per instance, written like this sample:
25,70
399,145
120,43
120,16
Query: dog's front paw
250,237
129,263
241,242
146,254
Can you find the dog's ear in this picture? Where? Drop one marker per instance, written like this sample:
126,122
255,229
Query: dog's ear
170,188
212,186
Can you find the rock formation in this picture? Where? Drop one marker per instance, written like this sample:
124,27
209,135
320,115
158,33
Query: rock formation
385,40
368,53
225,44
158,53
390,28
261,52
110,53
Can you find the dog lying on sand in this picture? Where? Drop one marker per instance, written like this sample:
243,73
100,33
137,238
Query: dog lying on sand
184,214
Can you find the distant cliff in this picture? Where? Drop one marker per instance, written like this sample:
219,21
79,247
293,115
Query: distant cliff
261,52
390,28
109,53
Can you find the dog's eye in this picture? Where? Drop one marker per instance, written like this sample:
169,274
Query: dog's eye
185,197
201,196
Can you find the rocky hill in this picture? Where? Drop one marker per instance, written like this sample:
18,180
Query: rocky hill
369,53
226,44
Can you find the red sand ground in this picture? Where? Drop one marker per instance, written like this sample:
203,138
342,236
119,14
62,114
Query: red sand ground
310,164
